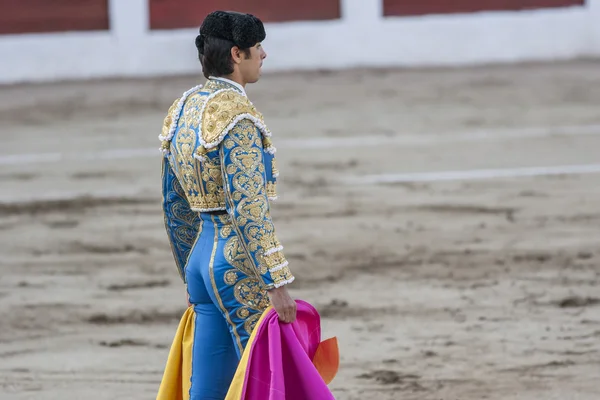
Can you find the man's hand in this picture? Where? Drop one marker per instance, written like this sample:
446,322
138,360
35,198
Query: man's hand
283,304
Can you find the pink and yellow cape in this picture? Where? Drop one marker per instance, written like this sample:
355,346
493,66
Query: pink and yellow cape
281,361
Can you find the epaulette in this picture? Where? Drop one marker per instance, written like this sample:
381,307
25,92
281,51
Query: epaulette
167,127
220,113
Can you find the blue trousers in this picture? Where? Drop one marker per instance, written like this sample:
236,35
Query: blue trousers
227,300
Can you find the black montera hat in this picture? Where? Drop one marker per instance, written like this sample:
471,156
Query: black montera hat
243,30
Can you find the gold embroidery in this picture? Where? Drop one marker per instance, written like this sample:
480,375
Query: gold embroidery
231,277
213,85
253,208
247,290
250,323
169,120
248,190
249,293
236,256
243,312
221,111
282,275
226,229
213,180
214,285
271,189
274,259
186,167
274,169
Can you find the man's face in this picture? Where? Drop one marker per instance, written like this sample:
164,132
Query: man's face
250,66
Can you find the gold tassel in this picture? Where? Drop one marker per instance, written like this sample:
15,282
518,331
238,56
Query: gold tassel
201,151
267,142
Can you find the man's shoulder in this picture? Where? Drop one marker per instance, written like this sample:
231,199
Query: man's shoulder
173,113
224,109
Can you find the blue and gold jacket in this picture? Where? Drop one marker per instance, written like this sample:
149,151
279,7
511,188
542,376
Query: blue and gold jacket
219,157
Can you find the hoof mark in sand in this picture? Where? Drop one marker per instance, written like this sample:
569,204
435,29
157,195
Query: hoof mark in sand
80,247
576,301
584,255
94,175
532,257
25,176
126,343
138,285
335,308
535,367
466,209
387,377
62,224
340,309
76,204
136,318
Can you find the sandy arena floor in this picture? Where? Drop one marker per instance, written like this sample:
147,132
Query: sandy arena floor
445,223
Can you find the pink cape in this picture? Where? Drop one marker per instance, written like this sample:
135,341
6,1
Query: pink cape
286,361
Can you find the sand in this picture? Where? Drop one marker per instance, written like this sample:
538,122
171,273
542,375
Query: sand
469,286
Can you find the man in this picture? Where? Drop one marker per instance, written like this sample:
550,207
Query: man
219,174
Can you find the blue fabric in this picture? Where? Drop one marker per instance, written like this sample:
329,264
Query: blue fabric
181,222
227,303
268,161
214,359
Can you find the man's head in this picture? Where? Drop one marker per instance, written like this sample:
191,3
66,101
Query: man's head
229,44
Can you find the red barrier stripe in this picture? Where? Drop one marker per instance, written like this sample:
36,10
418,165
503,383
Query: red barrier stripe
174,14
424,7
38,16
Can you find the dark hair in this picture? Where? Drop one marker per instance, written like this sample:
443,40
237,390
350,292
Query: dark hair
215,55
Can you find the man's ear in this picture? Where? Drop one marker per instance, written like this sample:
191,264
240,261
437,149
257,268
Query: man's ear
236,54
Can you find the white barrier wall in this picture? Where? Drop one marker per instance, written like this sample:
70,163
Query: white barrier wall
363,37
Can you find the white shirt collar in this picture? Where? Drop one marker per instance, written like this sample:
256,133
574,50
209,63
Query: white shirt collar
237,85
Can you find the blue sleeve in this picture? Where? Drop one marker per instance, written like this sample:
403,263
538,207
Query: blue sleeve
244,181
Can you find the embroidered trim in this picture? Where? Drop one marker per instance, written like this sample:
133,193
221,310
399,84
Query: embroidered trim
196,209
271,149
229,81
280,266
264,130
273,250
273,198
280,284
175,119
199,157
